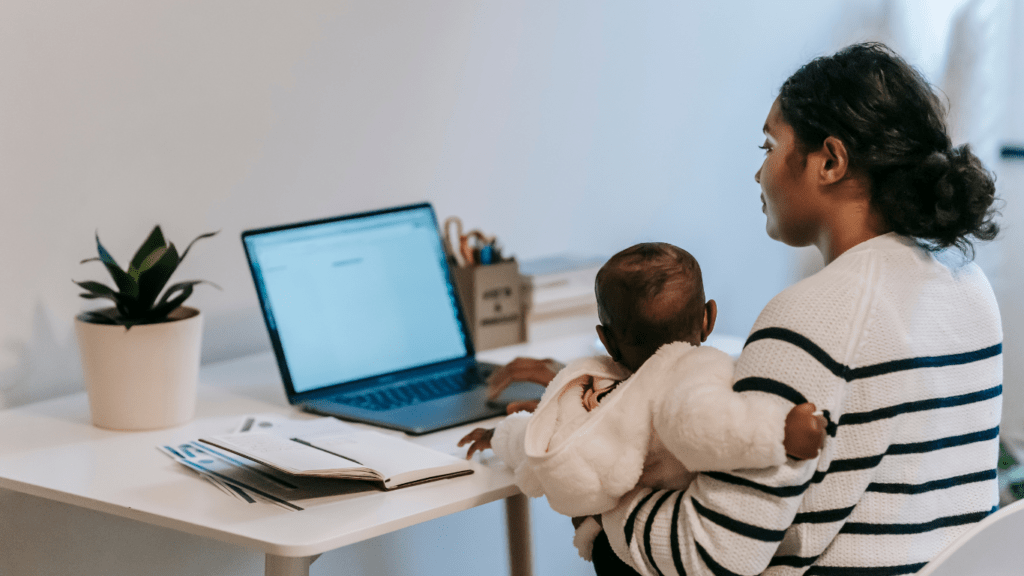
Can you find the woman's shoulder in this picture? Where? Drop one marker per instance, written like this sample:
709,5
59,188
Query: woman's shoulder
807,331
883,266
829,296
829,307
879,286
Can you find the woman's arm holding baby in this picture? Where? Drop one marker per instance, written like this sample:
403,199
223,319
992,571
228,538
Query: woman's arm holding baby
708,426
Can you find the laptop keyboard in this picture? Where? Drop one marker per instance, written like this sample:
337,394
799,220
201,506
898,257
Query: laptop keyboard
407,394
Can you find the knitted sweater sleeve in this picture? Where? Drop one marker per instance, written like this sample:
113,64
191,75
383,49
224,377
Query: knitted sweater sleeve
734,522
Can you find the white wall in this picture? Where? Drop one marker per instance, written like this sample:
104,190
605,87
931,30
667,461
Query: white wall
566,125
559,126
1008,282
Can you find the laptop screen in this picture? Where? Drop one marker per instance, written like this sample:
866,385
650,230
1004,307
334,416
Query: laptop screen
357,297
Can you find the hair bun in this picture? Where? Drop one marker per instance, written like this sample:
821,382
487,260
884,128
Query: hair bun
965,193
935,165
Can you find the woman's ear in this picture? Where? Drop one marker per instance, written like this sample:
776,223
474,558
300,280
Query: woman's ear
834,161
608,339
710,315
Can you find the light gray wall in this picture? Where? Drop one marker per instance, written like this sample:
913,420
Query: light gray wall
560,126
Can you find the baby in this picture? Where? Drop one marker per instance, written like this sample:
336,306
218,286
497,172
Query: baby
660,409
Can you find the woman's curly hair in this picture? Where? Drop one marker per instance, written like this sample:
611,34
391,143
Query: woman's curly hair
893,126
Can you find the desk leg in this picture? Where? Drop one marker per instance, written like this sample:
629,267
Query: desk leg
517,517
288,566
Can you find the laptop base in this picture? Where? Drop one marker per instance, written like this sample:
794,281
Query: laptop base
434,415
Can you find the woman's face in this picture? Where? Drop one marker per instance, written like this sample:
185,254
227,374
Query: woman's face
789,200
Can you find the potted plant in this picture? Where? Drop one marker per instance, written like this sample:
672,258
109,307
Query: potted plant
140,357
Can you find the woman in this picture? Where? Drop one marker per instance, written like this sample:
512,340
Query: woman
897,339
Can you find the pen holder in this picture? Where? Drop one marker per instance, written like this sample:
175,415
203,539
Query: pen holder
492,298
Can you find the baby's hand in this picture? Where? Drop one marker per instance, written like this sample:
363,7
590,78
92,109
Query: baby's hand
480,438
805,432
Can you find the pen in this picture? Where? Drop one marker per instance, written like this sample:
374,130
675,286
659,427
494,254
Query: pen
301,441
487,254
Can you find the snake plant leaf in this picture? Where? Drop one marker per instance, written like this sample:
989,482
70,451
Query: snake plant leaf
152,259
129,322
168,303
98,290
125,283
155,275
200,237
137,289
187,284
147,262
103,316
152,243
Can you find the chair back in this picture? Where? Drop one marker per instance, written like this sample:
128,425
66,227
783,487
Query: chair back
992,547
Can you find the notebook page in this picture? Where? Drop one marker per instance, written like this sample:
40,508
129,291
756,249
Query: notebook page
283,453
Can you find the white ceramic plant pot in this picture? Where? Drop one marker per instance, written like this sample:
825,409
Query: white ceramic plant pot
143,378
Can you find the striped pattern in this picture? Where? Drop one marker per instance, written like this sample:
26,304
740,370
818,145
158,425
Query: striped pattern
904,354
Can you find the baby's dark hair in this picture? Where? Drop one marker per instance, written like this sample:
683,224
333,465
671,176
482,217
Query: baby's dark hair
893,127
652,294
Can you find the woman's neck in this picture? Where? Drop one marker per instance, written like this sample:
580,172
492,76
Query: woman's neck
853,221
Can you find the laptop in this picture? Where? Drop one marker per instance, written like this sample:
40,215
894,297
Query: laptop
366,324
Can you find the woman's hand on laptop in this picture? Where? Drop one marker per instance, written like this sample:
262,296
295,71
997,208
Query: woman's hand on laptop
521,406
522,370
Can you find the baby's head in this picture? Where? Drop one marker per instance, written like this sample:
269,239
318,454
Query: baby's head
649,295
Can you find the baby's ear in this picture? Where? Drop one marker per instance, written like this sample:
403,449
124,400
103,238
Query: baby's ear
710,315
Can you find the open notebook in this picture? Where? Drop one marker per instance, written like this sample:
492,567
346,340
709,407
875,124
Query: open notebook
329,448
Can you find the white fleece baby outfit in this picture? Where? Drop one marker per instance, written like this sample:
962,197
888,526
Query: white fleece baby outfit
675,416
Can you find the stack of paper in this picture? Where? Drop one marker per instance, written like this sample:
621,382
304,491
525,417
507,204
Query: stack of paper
560,284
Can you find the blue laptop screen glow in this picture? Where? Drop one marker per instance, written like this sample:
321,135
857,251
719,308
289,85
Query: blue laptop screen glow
357,298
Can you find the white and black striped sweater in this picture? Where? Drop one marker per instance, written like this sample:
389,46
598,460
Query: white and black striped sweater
903,350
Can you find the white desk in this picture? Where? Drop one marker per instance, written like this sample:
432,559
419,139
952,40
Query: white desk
51,450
